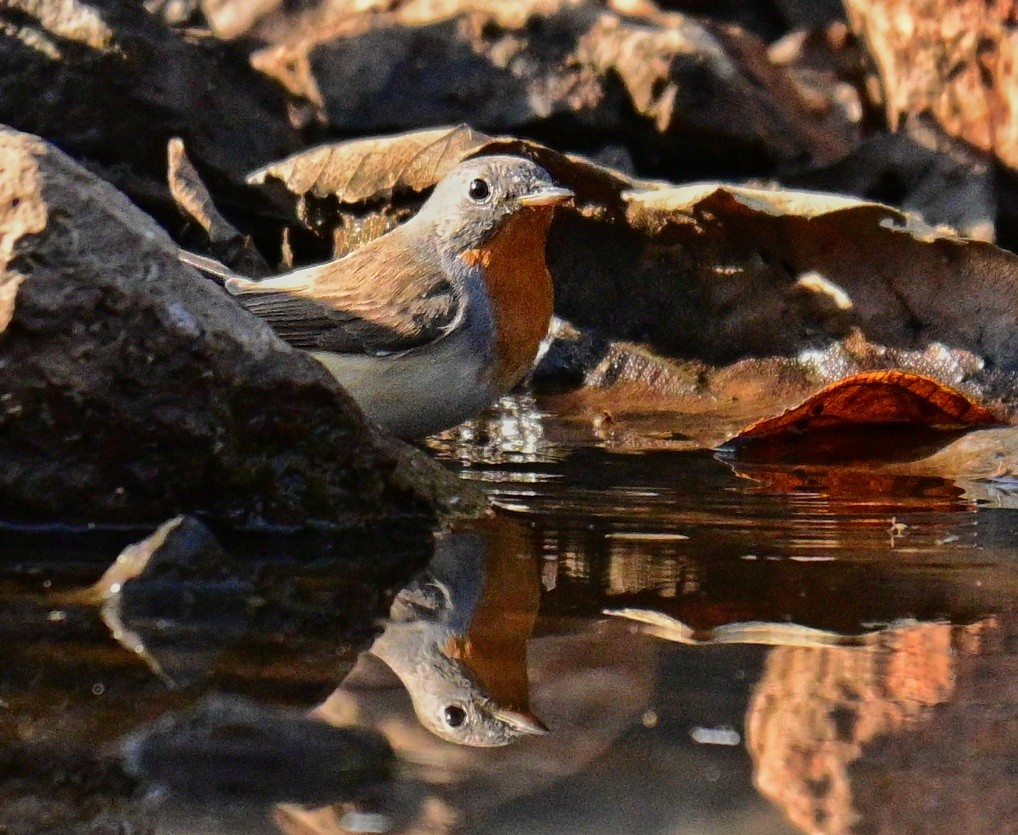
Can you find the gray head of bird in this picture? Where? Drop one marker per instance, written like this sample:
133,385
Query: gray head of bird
474,199
452,704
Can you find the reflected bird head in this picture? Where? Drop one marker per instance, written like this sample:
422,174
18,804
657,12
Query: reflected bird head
452,704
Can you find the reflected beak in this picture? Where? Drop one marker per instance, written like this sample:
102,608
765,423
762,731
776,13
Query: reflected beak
525,723
550,196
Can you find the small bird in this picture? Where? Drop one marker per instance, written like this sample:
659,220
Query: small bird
429,324
429,622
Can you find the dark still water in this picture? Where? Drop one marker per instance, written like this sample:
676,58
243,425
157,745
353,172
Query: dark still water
642,638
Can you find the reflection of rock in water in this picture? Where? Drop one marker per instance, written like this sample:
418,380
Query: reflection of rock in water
819,714
957,772
227,748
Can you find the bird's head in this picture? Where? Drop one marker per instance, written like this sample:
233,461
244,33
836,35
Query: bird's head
471,202
452,704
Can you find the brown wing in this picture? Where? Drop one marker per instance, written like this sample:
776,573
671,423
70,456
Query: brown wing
376,300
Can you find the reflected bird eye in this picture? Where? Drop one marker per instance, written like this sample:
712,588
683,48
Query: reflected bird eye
455,716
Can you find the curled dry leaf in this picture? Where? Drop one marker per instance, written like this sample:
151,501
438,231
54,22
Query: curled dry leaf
874,397
389,169
192,197
887,415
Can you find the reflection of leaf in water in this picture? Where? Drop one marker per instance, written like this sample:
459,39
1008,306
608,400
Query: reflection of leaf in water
751,632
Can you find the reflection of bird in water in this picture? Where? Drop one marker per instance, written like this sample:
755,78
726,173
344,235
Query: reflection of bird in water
591,681
456,639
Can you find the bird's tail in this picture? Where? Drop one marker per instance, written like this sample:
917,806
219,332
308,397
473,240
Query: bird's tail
207,265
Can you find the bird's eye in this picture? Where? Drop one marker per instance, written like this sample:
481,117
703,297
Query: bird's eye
478,189
455,716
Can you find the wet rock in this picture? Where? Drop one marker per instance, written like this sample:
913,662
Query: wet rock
228,748
688,97
133,390
955,60
110,84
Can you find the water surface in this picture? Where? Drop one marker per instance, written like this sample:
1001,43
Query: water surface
712,649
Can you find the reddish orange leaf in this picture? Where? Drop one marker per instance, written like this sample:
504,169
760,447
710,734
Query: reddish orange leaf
864,416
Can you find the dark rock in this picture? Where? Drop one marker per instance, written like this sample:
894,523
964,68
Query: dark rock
921,170
687,97
227,748
133,390
110,84
768,19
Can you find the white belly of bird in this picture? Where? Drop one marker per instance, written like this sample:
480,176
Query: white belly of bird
419,392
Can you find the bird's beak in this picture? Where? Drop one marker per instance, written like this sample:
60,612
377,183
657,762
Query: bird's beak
525,723
549,196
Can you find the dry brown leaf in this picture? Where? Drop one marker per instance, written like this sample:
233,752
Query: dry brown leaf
389,168
876,397
192,197
877,415
354,172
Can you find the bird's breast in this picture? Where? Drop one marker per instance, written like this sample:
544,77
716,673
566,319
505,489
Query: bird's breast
519,291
